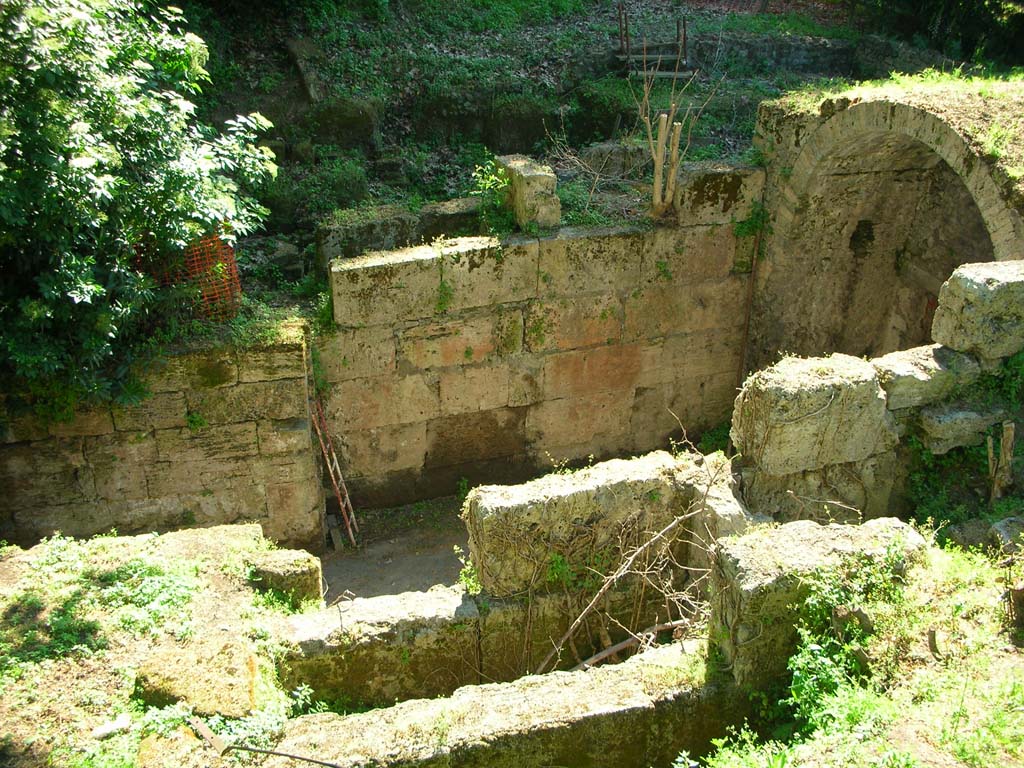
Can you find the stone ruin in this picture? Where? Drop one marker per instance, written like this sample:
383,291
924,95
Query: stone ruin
473,358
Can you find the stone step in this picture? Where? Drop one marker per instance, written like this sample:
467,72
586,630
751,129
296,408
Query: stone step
639,713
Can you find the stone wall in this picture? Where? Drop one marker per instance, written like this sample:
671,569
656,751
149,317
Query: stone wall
820,438
224,437
486,360
774,52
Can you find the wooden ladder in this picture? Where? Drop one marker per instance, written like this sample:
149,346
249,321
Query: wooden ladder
348,514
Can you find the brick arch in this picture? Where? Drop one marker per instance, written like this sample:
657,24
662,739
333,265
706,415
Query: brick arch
864,124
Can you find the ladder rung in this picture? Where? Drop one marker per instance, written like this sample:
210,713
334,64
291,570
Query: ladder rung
661,74
650,58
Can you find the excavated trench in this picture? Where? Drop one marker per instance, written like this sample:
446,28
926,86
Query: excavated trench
866,225
471,361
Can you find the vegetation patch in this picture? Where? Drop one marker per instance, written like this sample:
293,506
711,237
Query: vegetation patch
894,668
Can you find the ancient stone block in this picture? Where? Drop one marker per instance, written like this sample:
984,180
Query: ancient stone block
285,361
382,288
844,493
484,272
45,457
116,482
711,487
379,649
287,468
686,255
602,369
460,341
357,353
656,705
650,423
525,381
295,514
226,441
460,216
133,449
19,427
663,309
284,399
188,475
234,501
513,530
475,436
292,572
616,157
561,324
805,414
284,436
347,234
215,677
712,193
201,370
705,354
981,309
162,410
477,388
516,635
383,449
79,519
1007,535
759,580
570,426
46,472
952,425
923,375
377,402
531,192
577,262
96,421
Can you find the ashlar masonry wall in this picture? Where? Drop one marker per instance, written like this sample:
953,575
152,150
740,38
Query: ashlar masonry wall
488,361
224,437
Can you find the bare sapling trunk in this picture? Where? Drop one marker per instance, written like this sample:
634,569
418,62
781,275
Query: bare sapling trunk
1000,470
664,133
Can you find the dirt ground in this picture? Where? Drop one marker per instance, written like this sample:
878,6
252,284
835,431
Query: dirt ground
402,549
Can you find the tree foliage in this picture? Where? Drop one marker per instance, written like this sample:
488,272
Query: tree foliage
965,29
102,161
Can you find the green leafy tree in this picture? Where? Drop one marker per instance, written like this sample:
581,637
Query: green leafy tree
103,161
985,30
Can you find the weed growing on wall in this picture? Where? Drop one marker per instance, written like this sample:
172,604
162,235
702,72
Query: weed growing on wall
491,184
469,578
953,487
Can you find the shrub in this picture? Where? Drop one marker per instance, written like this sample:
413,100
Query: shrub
102,160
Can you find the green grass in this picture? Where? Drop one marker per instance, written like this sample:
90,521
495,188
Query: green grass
772,24
965,703
78,606
142,595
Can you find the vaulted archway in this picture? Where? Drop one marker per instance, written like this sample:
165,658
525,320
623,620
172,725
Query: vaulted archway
873,205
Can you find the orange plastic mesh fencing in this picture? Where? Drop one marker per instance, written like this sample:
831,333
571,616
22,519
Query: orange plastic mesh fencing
210,266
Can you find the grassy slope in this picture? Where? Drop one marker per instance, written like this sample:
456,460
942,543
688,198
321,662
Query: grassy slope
987,109
959,703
